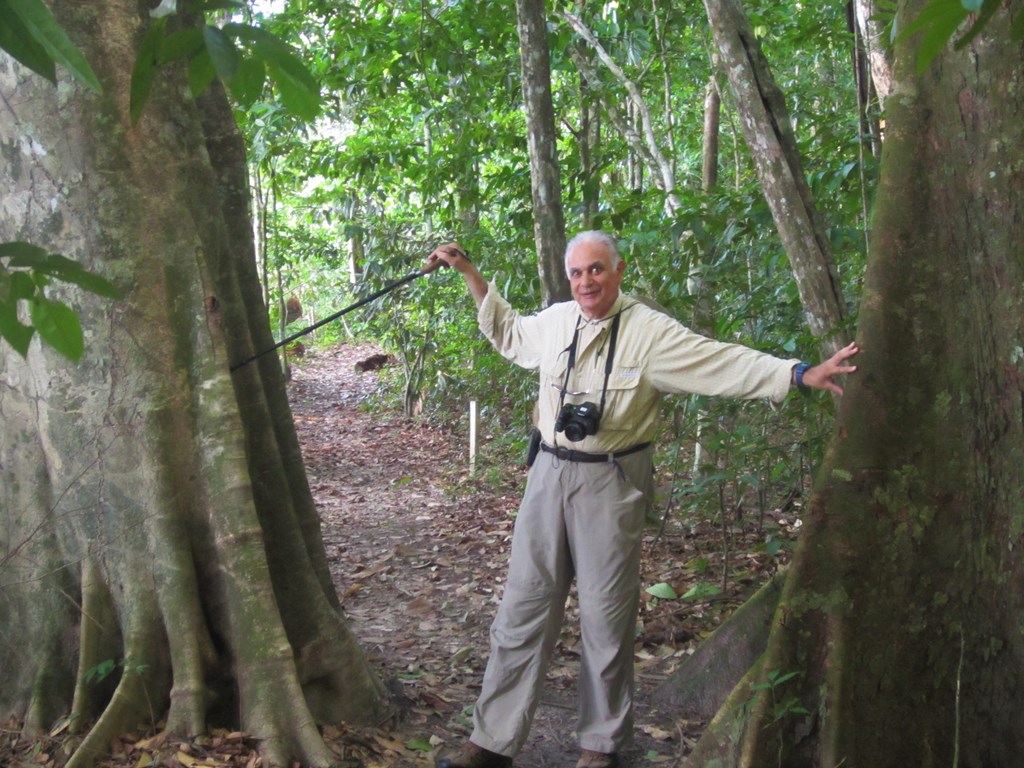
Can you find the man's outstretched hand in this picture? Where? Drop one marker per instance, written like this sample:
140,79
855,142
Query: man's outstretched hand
822,375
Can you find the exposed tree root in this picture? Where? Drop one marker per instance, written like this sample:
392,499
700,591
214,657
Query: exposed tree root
700,685
140,693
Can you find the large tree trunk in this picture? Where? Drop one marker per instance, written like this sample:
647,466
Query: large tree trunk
542,141
901,612
769,135
154,511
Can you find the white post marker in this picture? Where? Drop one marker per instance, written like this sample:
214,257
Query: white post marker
472,437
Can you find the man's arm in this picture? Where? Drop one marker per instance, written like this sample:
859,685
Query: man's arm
453,255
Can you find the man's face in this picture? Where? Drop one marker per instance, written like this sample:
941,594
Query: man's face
595,283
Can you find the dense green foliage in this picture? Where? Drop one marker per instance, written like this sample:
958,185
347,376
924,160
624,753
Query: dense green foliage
424,141
421,139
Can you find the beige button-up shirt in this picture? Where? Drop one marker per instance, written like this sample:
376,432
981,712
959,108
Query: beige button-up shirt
654,355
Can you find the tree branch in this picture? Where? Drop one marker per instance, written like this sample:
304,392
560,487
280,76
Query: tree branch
659,165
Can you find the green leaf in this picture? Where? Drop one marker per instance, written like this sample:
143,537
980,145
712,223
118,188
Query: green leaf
181,44
200,6
14,332
21,250
420,745
299,90
63,268
134,669
222,52
299,96
50,263
772,547
662,591
247,84
988,8
938,21
60,267
58,326
19,43
93,283
201,72
42,27
778,677
937,37
145,67
22,286
101,671
701,590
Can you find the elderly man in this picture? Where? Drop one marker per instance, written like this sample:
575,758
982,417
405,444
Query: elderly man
605,360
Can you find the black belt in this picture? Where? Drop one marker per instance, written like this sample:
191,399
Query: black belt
568,454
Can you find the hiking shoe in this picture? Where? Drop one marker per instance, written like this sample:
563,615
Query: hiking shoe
469,755
591,759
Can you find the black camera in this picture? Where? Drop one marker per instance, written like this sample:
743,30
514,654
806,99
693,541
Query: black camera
578,421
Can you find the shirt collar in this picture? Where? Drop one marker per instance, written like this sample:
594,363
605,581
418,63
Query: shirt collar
618,306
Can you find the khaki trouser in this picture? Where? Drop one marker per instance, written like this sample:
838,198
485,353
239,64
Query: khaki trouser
582,520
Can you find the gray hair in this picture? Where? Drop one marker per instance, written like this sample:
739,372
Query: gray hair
593,236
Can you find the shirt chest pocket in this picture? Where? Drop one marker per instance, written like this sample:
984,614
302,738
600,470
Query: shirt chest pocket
552,374
625,388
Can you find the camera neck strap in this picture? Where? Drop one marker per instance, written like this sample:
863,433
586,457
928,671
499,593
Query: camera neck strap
609,361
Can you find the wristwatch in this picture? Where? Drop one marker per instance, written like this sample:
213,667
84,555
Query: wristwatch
798,376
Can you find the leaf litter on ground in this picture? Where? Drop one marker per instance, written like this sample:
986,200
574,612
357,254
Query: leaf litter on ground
417,547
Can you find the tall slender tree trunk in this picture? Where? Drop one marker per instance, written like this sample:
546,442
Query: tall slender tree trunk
868,100
712,124
900,617
769,135
548,217
154,512
703,308
873,32
665,60
589,142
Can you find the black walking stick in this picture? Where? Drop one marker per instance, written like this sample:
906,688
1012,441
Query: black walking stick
427,268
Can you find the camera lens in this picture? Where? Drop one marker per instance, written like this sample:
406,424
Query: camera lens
578,421
575,431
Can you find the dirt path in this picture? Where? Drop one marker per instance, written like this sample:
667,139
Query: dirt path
418,549
418,552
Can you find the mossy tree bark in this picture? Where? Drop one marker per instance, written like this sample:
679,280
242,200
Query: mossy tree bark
901,611
154,511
